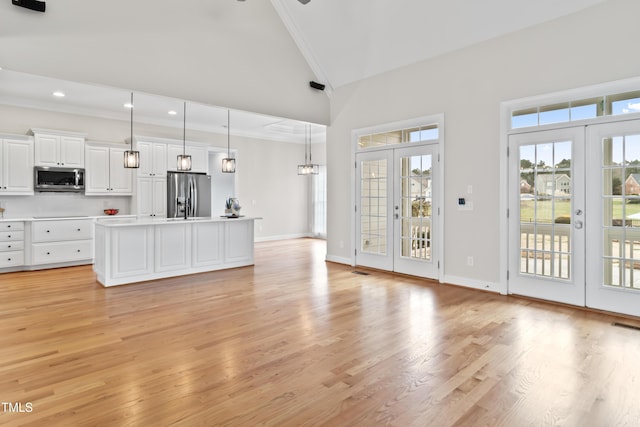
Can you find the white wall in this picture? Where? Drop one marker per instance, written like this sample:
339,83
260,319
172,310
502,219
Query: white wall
594,46
227,53
266,177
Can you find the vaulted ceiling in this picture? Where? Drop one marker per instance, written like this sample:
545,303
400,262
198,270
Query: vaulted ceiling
348,40
242,54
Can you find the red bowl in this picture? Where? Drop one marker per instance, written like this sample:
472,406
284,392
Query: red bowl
111,211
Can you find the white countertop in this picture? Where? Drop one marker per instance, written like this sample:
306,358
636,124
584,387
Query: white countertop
133,221
61,217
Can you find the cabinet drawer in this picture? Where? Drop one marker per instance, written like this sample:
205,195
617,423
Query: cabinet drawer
47,253
11,236
11,246
51,231
11,259
12,226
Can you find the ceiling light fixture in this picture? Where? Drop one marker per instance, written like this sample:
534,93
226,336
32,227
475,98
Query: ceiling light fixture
308,168
58,94
228,163
304,1
131,158
172,113
184,161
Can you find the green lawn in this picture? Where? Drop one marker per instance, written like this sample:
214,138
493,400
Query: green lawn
548,211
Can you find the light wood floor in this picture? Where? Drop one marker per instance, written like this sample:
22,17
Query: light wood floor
297,341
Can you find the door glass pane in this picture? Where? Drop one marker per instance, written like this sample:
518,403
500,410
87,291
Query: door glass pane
545,209
621,211
415,209
373,206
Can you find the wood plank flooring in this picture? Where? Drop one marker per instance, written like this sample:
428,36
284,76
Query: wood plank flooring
295,341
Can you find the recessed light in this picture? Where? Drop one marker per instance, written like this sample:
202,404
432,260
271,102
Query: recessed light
172,113
58,94
128,105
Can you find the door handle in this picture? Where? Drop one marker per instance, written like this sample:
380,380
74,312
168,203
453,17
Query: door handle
578,225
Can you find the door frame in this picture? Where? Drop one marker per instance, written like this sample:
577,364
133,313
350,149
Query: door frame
506,107
437,119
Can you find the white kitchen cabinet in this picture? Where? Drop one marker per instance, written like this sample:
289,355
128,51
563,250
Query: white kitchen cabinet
172,247
153,158
105,172
137,249
58,149
151,197
238,241
11,244
130,255
60,241
207,239
199,157
16,163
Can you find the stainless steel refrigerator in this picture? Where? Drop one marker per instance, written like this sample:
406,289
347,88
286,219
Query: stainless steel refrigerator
188,195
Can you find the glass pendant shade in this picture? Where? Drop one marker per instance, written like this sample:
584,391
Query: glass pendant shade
184,162
308,168
229,165
131,159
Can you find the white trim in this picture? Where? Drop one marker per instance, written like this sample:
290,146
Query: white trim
339,260
471,283
307,52
437,119
282,237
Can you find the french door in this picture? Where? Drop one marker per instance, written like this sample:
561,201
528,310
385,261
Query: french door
546,215
396,210
574,216
613,203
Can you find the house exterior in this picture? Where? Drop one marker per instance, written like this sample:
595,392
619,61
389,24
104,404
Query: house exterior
632,184
552,184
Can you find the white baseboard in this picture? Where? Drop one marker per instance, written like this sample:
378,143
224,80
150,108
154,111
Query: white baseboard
472,283
338,259
282,237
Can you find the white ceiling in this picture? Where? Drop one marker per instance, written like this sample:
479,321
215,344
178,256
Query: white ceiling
348,40
31,91
342,40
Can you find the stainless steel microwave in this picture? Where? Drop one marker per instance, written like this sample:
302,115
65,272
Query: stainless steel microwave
59,179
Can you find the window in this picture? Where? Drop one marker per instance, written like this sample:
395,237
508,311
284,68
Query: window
319,203
590,108
400,136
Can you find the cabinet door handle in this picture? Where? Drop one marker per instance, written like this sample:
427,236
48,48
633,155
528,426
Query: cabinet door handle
8,226
8,259
78,250
78,229
8,246
48,231
48,253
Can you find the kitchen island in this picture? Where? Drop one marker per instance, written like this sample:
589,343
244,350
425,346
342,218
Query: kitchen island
135,250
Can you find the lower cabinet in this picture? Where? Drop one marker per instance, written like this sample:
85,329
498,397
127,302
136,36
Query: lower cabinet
11,244
135,252
61,241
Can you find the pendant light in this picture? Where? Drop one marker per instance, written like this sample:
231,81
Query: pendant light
308,168
131,158
228,163
184,161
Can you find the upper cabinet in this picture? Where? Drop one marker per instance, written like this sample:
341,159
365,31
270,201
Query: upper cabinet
58,149
153,158
198,153
158,155
16,165
105,171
